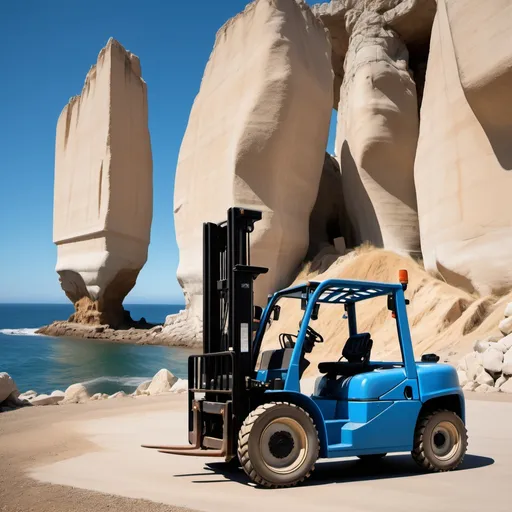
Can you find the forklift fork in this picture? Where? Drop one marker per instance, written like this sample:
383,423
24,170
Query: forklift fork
195,448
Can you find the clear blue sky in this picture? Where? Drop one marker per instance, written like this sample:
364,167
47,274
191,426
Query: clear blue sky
47,47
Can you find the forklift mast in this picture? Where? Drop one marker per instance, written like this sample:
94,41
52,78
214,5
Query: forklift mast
228,284
221,373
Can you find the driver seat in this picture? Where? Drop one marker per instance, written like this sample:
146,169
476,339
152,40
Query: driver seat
357,352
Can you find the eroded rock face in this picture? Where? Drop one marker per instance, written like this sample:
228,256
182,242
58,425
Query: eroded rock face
463,163
256,138
103,188
377,133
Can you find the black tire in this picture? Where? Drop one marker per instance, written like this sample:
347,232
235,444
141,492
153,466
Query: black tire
440,441
374,457
278,445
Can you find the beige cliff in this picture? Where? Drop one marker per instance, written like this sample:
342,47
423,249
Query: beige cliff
256,138
464,158
103,187
377,134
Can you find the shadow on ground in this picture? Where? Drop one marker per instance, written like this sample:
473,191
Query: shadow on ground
340,471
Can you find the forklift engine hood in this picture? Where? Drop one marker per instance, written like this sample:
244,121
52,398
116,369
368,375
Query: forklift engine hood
369,385
434,380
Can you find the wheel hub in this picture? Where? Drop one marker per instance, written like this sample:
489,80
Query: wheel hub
445,440
281,444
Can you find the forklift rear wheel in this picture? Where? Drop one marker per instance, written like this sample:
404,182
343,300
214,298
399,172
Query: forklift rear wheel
278,445
440,441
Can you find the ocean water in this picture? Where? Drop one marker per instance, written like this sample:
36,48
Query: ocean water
44,363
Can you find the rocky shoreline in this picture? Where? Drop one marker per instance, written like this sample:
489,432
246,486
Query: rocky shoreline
10,397
151,335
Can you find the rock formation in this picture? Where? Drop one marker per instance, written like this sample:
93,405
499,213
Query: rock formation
103,188
422,90
377,128
256,138
464,157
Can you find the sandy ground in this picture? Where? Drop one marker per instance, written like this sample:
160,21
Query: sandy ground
36,436
88,457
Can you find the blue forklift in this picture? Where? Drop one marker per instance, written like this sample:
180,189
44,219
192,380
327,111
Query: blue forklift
246,406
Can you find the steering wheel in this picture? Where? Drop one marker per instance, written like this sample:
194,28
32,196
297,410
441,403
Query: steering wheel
311,338
314,337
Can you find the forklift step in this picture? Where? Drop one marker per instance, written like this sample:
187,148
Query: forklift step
197,452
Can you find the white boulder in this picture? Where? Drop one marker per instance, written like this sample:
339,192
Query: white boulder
119,394
181,386
506,326
28,395
493,360
484,378
485,388
471,386
463,378
500,381
468,360
508,310
142,388
506,387
505,344
46,400
57,392
472,363
162,382
75,394
507,363
7,387
481,346
99,396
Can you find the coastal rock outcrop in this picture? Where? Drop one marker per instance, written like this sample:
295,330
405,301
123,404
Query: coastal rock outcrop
464,157
256,138
103,188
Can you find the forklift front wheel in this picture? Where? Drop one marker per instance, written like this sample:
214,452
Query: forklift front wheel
278,445
440,441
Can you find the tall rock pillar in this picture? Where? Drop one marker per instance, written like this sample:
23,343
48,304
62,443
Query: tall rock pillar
103,188
256,138
463,168
377,133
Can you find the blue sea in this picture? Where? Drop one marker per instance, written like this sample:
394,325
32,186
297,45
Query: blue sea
44,363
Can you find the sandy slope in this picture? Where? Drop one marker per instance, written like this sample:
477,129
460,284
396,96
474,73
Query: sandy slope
443,319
